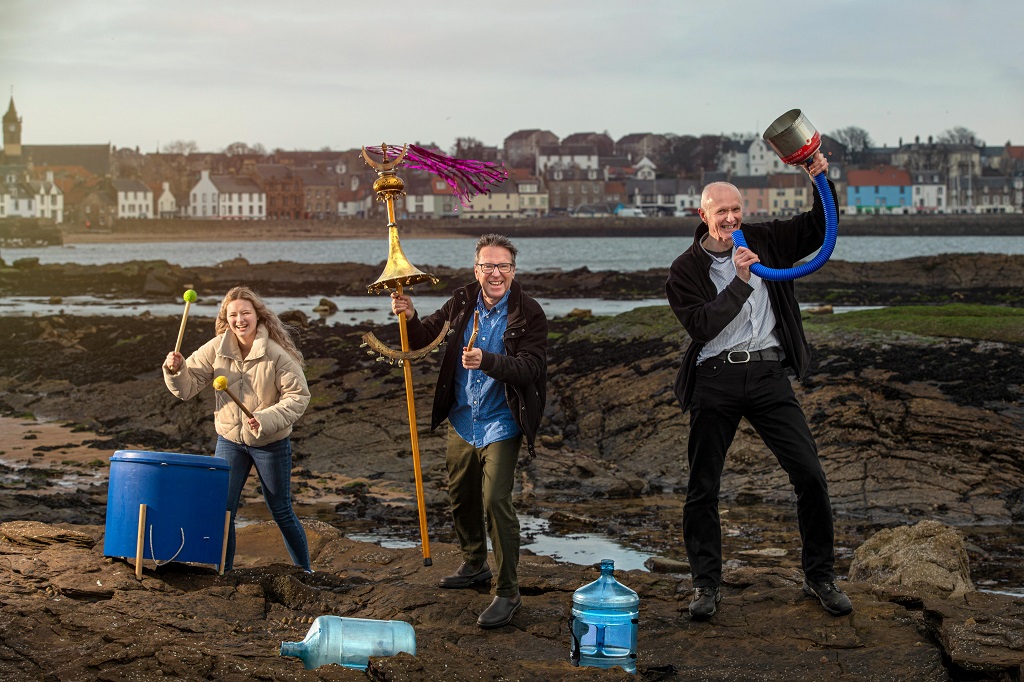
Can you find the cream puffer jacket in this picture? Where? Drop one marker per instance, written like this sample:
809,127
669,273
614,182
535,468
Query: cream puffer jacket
269,382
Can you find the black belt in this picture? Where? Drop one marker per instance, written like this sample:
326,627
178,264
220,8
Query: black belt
738,357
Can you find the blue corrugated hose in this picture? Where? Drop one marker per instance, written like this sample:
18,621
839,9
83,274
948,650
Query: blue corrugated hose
831,225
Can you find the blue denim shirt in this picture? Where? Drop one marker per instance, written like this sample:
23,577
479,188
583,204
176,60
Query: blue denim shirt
480,414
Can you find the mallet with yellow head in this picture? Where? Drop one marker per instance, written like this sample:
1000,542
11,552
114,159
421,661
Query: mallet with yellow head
190,298
221,384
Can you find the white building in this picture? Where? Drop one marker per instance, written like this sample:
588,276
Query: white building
203,198
24,198
687,197
735,157
928,189
227,197
533,200
18,200
166,203
502,201
240,198
764,161
49,199
134,199
429,196
566,156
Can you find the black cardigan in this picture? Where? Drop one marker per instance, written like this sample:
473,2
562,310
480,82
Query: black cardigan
704,312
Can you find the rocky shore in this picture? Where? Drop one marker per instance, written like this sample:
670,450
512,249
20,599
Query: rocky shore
970,278
910,428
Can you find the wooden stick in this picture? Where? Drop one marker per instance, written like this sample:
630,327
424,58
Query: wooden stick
476,329
410,406
140,542
181,329
224,547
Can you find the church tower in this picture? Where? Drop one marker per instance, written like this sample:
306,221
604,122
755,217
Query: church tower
12,132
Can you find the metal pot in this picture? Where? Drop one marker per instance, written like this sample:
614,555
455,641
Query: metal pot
793,138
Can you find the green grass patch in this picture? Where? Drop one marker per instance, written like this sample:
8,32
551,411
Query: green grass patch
123,342
959,320
640,324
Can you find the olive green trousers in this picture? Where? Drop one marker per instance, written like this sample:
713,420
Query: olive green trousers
480,482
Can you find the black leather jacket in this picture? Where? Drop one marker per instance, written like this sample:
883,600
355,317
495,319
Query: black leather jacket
523,368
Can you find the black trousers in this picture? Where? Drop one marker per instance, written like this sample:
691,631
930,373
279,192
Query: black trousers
761,392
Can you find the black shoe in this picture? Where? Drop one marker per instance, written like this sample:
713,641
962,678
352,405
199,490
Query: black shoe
831,597
704,600
467,575
500,612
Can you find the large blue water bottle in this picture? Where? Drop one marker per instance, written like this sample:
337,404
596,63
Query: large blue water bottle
605,616
351,641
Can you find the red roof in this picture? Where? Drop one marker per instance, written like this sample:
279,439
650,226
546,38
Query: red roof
883,176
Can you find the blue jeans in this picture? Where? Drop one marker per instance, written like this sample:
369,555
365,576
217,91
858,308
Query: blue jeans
274,467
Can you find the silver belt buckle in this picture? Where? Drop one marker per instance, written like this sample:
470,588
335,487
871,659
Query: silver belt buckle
738,362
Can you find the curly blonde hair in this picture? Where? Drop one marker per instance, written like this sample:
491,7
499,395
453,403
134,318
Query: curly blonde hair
276,329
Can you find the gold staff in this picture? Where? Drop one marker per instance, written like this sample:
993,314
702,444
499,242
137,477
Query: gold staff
399,272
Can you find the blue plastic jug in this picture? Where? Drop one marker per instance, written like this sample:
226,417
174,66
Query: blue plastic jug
351,641
604,621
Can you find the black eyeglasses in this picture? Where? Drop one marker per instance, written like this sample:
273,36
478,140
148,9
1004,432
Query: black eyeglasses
488,268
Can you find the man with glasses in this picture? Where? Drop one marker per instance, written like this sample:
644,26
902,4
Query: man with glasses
492,396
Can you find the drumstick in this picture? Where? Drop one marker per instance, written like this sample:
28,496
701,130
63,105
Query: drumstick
190,297
221,384
476,329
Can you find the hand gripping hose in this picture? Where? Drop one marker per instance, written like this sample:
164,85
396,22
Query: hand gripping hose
831,225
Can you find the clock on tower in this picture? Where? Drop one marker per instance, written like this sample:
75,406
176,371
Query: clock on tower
12,131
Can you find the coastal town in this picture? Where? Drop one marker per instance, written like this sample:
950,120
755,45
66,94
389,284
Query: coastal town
583,175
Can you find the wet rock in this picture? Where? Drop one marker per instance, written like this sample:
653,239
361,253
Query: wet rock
662,565
160,283
580,312
25,263
928,556
295,318
326,307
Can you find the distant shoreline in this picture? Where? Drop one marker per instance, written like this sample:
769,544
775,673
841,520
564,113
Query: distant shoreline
205,231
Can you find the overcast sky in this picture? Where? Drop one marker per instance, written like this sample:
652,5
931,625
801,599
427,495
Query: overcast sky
310,74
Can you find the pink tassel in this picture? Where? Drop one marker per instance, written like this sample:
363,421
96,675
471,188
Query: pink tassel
466,177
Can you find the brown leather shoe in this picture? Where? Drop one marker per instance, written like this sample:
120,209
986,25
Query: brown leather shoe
466,576
500,612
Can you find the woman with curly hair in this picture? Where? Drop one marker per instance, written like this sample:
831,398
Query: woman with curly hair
264,370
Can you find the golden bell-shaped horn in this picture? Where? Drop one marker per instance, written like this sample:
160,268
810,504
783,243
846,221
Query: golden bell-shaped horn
398,271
